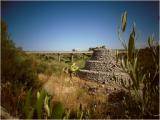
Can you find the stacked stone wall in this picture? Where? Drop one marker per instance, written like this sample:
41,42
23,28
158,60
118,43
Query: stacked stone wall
102,67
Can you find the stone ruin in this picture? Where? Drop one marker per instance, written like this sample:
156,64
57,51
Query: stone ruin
102,67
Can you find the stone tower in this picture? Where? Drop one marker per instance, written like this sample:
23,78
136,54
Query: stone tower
102,67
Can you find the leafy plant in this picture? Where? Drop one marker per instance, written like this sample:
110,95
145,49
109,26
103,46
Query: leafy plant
58,110
47,106
141,87
39,103
71,69
43,107
28,110
124,21
74,68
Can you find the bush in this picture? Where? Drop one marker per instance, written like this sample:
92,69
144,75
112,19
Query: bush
41,67
18,73
16,65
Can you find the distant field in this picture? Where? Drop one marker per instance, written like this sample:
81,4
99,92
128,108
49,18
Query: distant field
62,52
69,52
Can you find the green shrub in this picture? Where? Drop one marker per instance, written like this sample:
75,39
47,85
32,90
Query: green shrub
18,73
16,66
41,67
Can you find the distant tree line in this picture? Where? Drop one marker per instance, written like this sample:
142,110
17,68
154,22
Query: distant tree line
93,48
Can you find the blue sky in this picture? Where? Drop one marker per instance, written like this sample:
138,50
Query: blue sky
67,25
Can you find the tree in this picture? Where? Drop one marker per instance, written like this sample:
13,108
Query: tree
73,50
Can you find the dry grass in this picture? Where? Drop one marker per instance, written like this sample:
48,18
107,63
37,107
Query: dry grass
66,90
11,100
75,91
